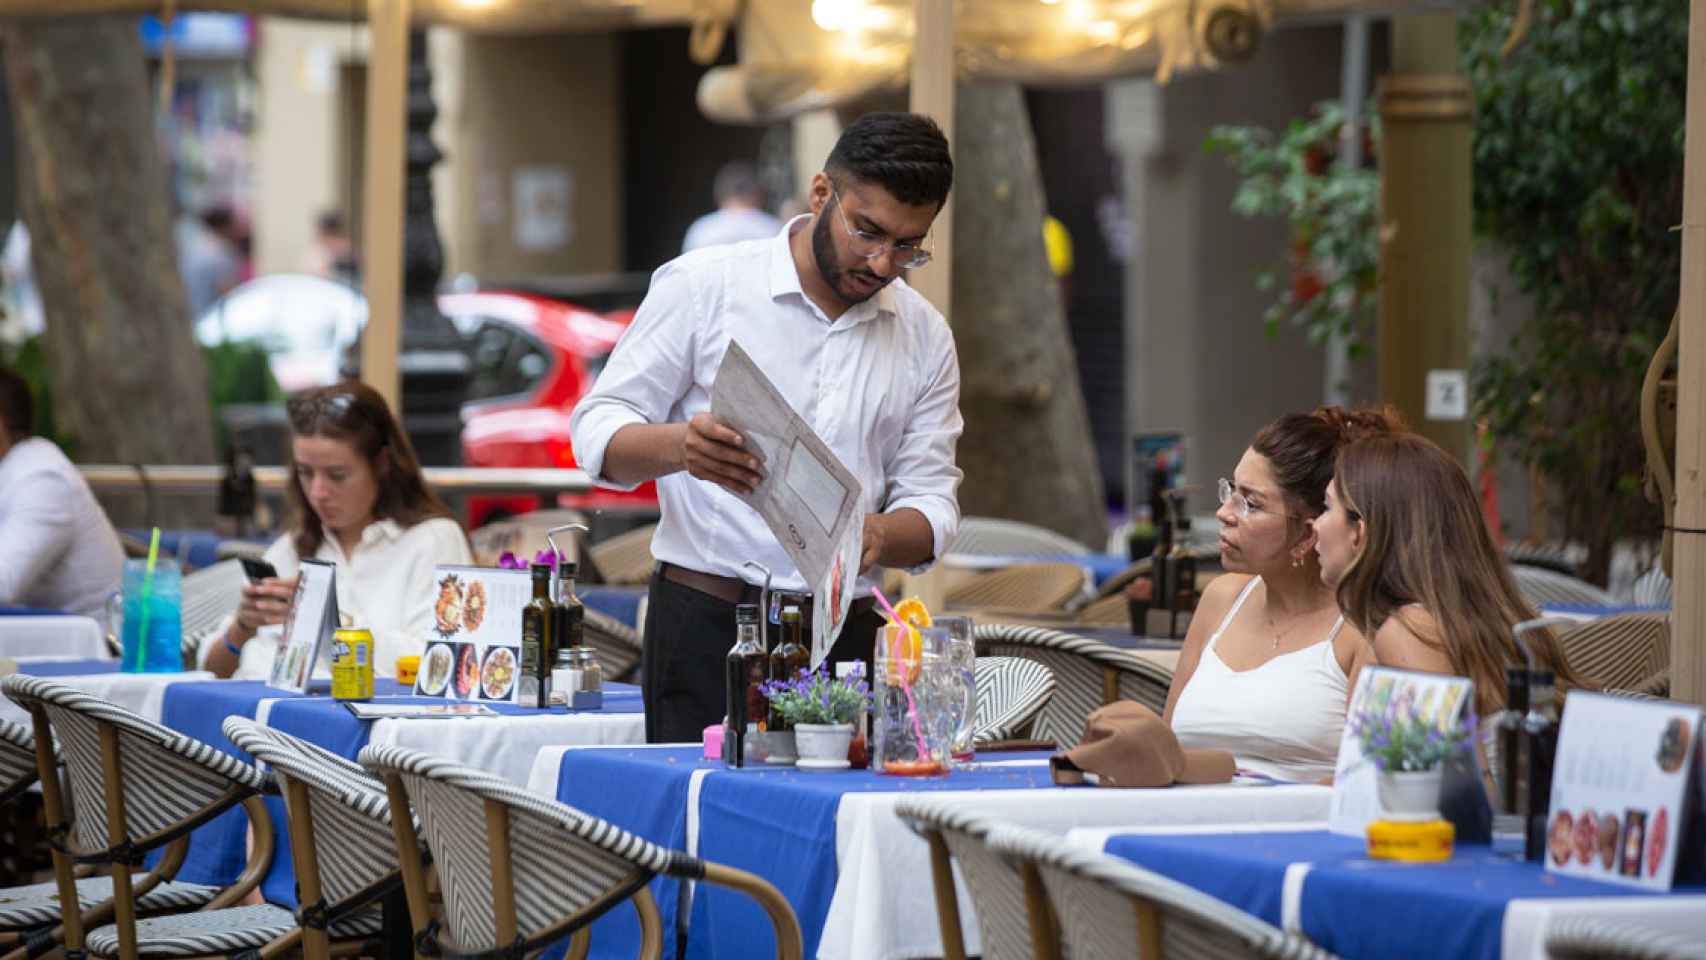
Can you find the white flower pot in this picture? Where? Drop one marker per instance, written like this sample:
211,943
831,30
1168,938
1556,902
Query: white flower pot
823,746
1410,795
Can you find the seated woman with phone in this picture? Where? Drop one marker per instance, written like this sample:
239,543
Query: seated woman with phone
359,502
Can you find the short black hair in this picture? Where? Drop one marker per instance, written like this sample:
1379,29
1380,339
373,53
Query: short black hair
904,153
17,405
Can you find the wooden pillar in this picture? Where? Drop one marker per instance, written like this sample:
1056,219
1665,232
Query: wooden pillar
1688,618
382,190
1425,224
933,77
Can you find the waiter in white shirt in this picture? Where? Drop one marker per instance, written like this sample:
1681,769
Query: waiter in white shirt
861,356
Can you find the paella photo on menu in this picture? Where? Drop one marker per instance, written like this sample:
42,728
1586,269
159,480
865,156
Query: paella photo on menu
473,651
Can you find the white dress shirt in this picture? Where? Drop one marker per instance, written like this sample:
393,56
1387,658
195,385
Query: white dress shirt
386,587
880,385
58,551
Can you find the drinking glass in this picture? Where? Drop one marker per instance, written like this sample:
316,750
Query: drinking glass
962,663
913,725
151,631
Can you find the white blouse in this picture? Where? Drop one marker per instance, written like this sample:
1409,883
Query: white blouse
386,587
1283,719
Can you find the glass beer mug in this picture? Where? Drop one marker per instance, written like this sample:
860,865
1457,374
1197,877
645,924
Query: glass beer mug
914,697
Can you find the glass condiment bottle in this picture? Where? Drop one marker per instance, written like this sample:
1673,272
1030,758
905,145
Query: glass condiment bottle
1510,818
1540,734
786,661
537,622
745,670
859,750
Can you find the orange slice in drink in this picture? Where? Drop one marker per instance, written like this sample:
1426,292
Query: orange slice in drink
913,611
907,645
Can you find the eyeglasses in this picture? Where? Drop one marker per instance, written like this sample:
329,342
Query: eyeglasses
870,245
305,410
1240,504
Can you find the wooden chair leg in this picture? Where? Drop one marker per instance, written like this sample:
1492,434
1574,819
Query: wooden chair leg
651,924
947,900
1045,929
408,855
300,815
124,905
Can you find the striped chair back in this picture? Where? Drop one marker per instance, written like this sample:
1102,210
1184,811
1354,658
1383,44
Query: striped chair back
1541,586
166,783
1011,691
209,596
1653,588
519,871
17,761
989,536
1107,908
1589,938
1026,588
1087,674
1623,652
998,889
625,558
341,841
616,644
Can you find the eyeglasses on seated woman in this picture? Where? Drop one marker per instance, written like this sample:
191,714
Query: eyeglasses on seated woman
1266,668
359,501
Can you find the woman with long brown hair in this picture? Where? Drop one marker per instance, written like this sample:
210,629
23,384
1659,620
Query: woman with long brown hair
1414,568
358,501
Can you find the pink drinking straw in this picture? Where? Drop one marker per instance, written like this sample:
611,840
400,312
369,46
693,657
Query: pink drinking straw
905,682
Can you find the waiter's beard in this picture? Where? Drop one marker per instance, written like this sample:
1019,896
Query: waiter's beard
823,253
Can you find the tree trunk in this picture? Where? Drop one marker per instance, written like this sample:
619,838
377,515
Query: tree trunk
129,384
1027,452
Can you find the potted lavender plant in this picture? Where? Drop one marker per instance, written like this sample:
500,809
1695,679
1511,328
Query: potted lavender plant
1410,752
821,711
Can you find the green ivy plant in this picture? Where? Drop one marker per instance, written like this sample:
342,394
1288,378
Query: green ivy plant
1578,179
1327,286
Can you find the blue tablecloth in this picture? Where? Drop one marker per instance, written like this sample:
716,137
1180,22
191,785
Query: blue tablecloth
776,822
29,612
1357,907
217,850
68,668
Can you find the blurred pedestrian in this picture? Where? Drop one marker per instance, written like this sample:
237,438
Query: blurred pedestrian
740,213
333,253
208,257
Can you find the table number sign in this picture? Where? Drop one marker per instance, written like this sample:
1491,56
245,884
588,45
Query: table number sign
1382,691
1620,789
474,651
308,626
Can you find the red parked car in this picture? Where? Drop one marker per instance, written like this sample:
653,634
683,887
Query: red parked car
534,358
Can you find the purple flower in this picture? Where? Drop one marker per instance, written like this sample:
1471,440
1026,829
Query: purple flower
509,562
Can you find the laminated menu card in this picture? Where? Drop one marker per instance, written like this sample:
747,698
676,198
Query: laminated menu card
364,710
474,650
308,627
1620,789
1382,691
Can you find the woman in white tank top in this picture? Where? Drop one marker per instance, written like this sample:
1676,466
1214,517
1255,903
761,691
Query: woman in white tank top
1268,662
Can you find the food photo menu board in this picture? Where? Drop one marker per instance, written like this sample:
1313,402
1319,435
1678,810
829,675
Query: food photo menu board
474,651
1620,789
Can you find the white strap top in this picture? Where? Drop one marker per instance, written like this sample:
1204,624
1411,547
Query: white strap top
1283,719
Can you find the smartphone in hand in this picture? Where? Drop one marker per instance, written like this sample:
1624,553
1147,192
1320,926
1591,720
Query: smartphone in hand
258,570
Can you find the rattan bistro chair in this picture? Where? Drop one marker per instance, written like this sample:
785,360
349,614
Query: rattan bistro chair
1087,675
519,871
17,761
340,836
1011,691
137,787
616,644
998,890
209,596
989,536
1581,938
1541,586
1104,908
626,558
1629,651
1026,588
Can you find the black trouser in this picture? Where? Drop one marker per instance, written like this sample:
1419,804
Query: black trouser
688,635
